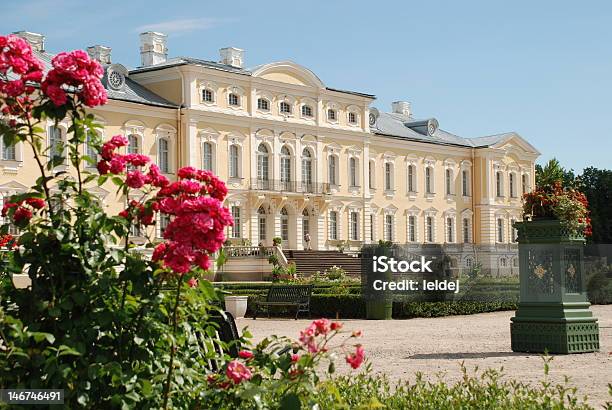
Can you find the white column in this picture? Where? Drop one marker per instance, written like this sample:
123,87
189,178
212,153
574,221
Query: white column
299,234
254,226
191,144
320,218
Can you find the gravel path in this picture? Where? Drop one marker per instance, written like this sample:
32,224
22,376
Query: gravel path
400,348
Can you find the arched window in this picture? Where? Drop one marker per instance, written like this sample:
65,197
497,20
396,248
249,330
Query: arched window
207,156
353,171
233,99
412,228
261,223
429,180
262,164
512,185
163,155
133,144
429,228
500,230
285,107
306,111
466,230
331,115
333,169
207,95
284,224
263,104
307,170
285,167
499,188
465,183
333,225
411,178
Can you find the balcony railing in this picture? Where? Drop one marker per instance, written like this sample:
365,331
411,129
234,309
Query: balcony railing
290,186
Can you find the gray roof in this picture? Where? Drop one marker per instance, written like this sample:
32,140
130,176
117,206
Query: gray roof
399,126
131,92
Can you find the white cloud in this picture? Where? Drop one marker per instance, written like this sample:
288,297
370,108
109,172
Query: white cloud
184,25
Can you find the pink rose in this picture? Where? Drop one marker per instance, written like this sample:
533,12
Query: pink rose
135,179
103,167
22,216
192,282
237,372
245,354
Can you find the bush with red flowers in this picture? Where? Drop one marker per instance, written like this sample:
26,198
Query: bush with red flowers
568,205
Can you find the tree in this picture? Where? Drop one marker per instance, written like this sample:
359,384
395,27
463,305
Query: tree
597,185
553,171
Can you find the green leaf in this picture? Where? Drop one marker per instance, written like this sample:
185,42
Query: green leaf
290,402
40,336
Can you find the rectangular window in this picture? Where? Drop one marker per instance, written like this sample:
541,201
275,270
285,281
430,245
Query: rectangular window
450,237
235,229
412,228
285,108
499,184
465,183
135,229
389,228
164,155
466,230
449,182
306,111
388,176
428,180
332,170
56,149
8,151
524,183
353,171
234,100
371,174
263,104
333,225
354,226
500,230
207,154
429,228
352,118
512,190
262,228
411,178
207,95
372,227
331,115
164,220
234,164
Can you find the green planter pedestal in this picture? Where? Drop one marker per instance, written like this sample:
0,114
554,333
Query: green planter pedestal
379,310
553,313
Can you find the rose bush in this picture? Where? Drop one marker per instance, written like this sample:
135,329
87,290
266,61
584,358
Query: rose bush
111,328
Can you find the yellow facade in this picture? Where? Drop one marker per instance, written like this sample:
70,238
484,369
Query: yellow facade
326,169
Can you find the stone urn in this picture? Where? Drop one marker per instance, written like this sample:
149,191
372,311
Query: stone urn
236,305
553,313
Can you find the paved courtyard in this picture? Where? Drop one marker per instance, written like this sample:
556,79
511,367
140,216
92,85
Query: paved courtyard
400,348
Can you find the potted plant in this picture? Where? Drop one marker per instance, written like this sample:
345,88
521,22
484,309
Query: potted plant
277,241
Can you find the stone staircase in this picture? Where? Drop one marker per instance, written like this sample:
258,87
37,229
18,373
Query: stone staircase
309,262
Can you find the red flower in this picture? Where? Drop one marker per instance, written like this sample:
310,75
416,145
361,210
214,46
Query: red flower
356,359
245,354
22,216
135,179
36,203
336,326
192,282
103,167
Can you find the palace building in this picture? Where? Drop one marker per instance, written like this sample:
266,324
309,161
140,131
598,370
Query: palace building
301,157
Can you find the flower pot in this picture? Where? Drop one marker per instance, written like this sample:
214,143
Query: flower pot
236,305
379,310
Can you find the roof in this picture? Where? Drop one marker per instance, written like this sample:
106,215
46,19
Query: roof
180,61
131,91
400,126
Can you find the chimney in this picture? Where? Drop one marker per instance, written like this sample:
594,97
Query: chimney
402,107
232,56
153,49
36,41
100,53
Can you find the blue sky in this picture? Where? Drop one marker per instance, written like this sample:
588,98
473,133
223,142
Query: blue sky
541,68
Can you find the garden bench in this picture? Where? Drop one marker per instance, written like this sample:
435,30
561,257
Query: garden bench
286,295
